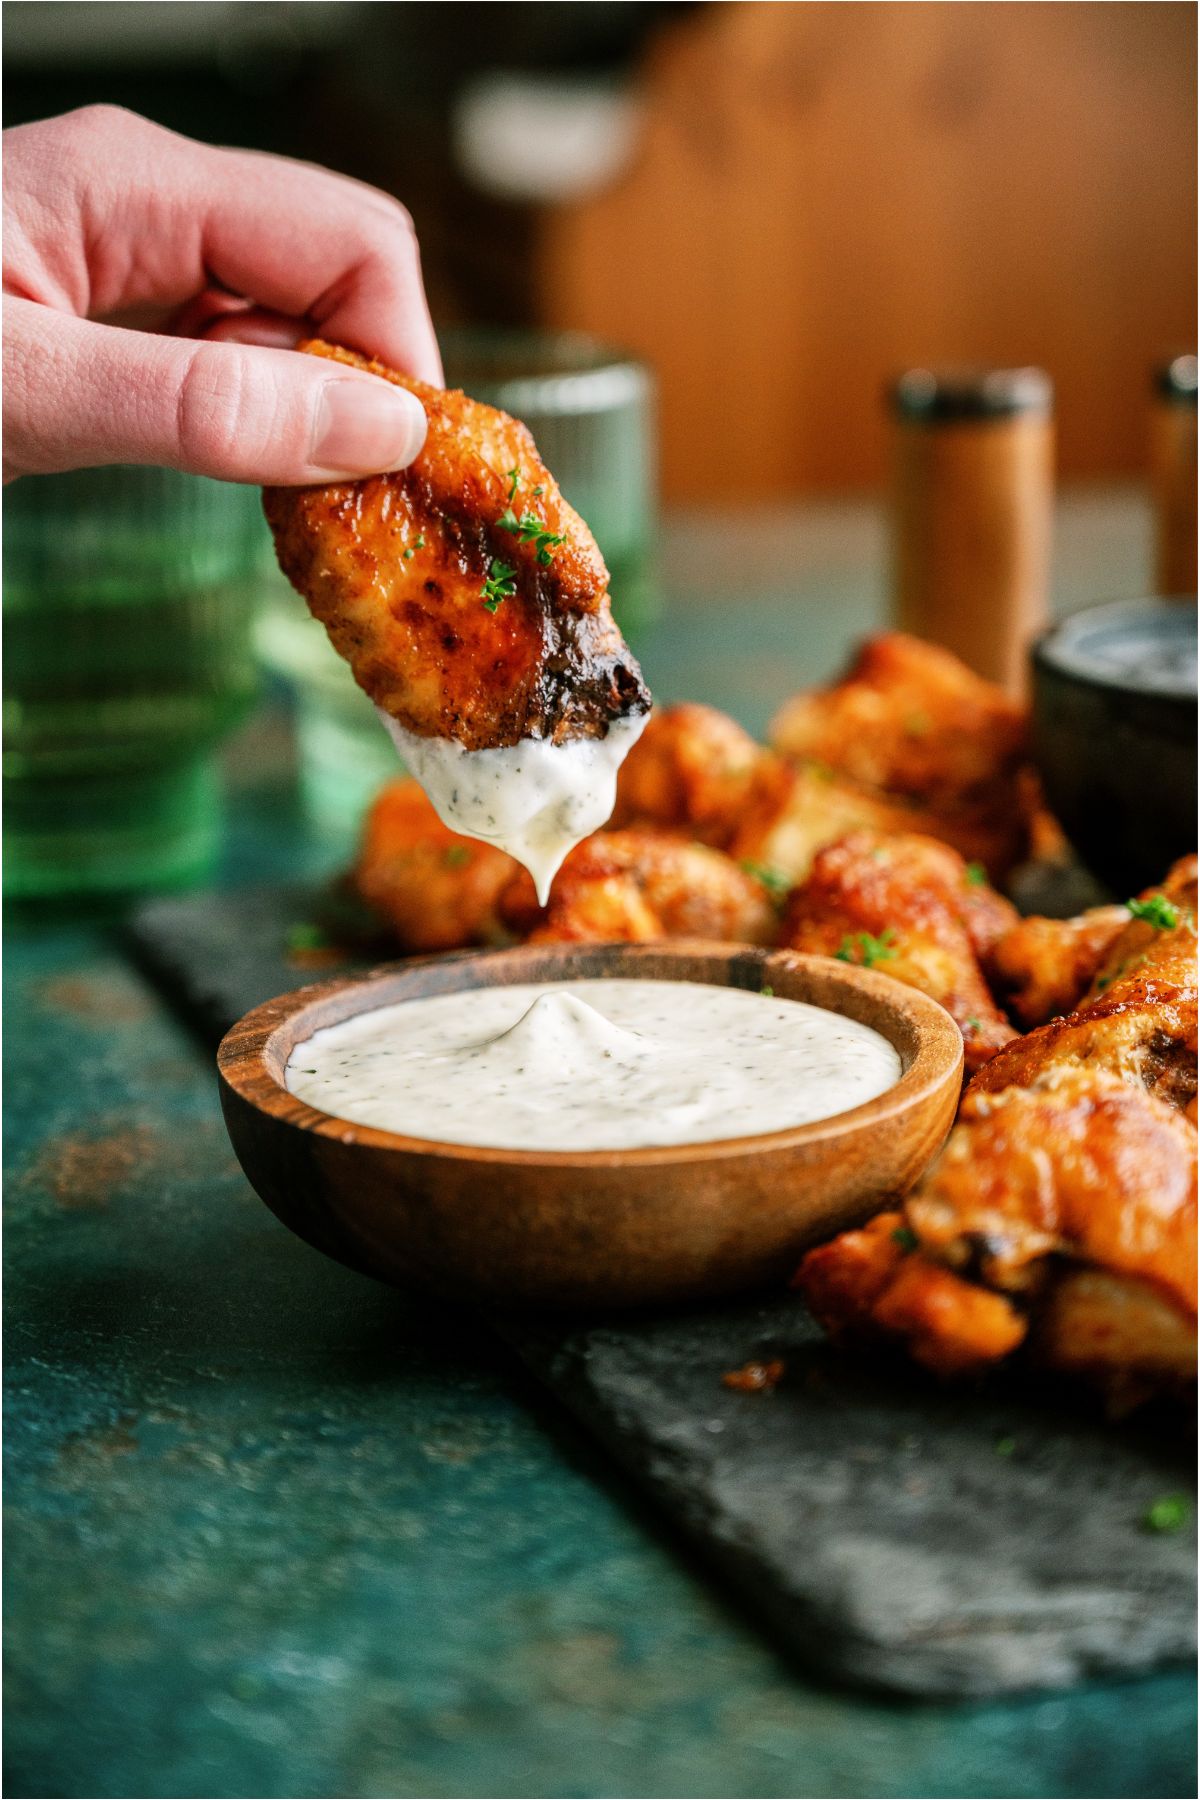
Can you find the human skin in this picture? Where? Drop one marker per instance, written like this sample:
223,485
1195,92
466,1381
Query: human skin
222,260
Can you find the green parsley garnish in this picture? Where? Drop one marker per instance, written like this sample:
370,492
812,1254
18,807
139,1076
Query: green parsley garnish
418,543
456,855
768,991
1157,911
514,482
538,492
861,948
976,875
972,1024
1171,1512
531,530
1005,1446
773,880
306,937
501,584
907,1240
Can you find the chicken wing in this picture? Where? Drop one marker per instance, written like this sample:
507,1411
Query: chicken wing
910,721
1061,1215
435,889
1138,1018
468,597
1042,967
697,772
912,907
633,886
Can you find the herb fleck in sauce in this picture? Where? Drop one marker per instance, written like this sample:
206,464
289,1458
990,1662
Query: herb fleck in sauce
535,799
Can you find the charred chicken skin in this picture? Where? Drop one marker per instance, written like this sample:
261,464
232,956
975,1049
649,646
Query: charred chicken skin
468,597
911,907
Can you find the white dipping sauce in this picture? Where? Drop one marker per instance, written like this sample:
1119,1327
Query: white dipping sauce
592,1065
535,799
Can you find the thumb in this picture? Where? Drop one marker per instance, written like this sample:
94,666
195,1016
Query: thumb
78,394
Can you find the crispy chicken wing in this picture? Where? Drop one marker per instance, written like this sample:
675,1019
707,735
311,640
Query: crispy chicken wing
912,907
1138,1019
910,721
439,891
633,886
1043,966
697,772
435,889
468,597
1062,1215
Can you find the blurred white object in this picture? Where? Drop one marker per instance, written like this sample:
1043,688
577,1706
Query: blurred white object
544,137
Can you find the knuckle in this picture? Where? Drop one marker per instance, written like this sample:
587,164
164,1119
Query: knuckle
215,408
100,120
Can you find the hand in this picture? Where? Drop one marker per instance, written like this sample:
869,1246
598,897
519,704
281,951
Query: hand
110,218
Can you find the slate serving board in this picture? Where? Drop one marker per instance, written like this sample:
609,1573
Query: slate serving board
891,1533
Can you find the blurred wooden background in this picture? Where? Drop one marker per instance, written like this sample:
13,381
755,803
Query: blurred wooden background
828,193
821,194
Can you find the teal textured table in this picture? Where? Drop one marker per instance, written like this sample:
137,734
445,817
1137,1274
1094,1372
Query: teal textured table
273,1530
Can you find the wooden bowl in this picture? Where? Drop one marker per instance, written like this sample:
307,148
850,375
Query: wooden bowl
586,1228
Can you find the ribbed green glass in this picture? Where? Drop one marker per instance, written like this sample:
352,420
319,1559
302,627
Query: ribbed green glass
128,611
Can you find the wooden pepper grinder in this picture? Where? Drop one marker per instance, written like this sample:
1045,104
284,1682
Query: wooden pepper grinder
974,499
1173,445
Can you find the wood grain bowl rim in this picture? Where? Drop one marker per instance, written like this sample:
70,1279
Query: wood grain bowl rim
254,1052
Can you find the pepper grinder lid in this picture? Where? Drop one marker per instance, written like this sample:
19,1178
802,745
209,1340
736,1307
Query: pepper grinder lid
943,396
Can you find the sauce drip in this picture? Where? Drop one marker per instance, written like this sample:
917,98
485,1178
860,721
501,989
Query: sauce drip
535,799
592,1065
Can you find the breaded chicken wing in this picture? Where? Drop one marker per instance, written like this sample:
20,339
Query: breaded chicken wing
633,886
913,908
910,721
1062,1215
435,889
468,597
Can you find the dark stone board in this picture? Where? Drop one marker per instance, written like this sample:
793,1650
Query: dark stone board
894,1533
891,1533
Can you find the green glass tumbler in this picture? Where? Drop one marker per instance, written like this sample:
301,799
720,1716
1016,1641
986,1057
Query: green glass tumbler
591,410
128,614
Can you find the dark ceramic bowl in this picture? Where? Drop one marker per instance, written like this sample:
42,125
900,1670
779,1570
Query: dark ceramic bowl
1114,735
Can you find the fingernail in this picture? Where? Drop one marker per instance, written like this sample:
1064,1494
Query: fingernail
365,427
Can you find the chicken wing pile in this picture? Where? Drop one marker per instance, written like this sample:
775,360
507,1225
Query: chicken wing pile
468,597
439,891
1061,1215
